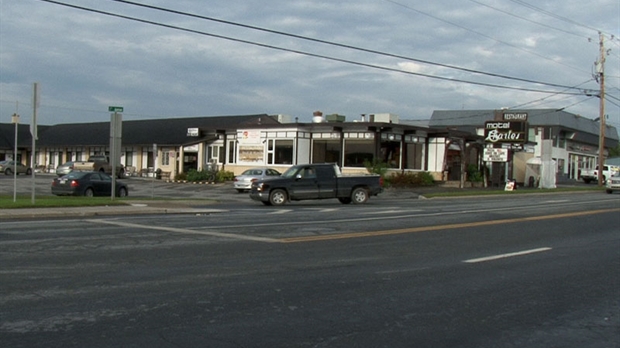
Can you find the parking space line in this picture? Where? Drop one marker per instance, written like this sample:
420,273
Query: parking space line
187,231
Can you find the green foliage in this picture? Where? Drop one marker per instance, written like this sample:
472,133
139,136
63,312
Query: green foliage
376,167
410,179
181,176
195,175
474,174
224,175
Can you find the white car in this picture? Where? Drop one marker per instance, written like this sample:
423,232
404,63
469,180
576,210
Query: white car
613,183
244,181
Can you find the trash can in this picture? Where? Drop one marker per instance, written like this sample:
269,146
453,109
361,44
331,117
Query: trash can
158,173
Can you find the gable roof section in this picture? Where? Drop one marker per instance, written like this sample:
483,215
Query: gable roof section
172,131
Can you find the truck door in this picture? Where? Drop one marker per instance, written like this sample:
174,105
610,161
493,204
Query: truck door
328,184
306,184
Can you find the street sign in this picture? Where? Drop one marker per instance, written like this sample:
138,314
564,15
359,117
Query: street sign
115,108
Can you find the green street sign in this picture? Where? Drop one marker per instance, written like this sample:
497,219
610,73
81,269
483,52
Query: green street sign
115,108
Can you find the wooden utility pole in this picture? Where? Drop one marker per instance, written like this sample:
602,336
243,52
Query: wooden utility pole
601,140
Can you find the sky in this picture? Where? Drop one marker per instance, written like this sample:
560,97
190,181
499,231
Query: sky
191,58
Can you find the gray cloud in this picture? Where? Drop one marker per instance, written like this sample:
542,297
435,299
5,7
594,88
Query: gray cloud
85,62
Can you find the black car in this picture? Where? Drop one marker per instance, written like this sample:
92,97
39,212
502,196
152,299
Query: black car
87,184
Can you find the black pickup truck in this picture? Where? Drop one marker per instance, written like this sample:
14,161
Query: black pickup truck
316,181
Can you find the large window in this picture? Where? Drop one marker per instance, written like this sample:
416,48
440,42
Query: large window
326,151
414,156
390,153
356,152
280,151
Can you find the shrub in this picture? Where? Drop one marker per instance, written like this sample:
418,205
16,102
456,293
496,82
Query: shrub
376,167
410,179
195,175
180,176
224,175
474,174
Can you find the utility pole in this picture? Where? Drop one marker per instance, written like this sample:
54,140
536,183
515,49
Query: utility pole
601,140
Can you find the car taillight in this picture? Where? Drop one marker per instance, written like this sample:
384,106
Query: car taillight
381,181
54,183
74,183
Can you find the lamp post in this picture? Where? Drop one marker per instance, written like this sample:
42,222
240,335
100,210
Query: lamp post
15,120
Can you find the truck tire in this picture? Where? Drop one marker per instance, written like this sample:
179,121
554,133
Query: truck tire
359,195
277,197
89,192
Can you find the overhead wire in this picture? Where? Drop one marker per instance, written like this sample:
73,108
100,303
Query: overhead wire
158,8
485,35
310,54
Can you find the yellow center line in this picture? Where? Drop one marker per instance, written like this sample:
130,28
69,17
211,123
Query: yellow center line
441,227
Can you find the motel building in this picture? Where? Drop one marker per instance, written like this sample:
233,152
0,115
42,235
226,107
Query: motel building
445,147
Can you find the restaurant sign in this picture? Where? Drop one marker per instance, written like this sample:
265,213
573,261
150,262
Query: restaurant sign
498,132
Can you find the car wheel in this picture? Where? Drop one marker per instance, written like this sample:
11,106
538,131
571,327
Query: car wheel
8,171
346,200
28,171
359,195
277,197
89,192
122,192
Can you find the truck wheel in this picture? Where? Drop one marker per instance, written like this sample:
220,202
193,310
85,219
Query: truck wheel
346,200
89,192
277,197
359,196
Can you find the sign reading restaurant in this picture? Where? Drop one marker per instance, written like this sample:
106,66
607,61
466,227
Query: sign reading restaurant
505,132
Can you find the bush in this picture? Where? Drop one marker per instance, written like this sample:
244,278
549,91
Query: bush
195,175
376,167
410,179
474,174
180,176
224,175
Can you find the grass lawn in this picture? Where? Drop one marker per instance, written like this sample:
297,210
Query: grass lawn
6,202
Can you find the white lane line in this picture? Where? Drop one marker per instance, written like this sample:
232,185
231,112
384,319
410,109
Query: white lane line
503,256
392,212
187,231
280,211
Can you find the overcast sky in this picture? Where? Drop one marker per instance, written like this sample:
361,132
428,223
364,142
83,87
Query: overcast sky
86,61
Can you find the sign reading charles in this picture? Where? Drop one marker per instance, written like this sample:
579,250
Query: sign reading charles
498,132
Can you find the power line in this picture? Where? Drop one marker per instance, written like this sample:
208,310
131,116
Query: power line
315,55
331,43
527,19
484,35
551,14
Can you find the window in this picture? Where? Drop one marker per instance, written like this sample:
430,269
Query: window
326,151
165,158
232,151
414,156
356,152
390,153
280,151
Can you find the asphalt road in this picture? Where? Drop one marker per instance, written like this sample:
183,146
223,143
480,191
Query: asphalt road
522,271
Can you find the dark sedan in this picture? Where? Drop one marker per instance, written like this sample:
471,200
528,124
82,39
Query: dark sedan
87,184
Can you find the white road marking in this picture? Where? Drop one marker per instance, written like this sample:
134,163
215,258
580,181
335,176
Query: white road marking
503,256
280,211
392,211
187,231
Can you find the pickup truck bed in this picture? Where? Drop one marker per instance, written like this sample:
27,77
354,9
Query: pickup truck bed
316,181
